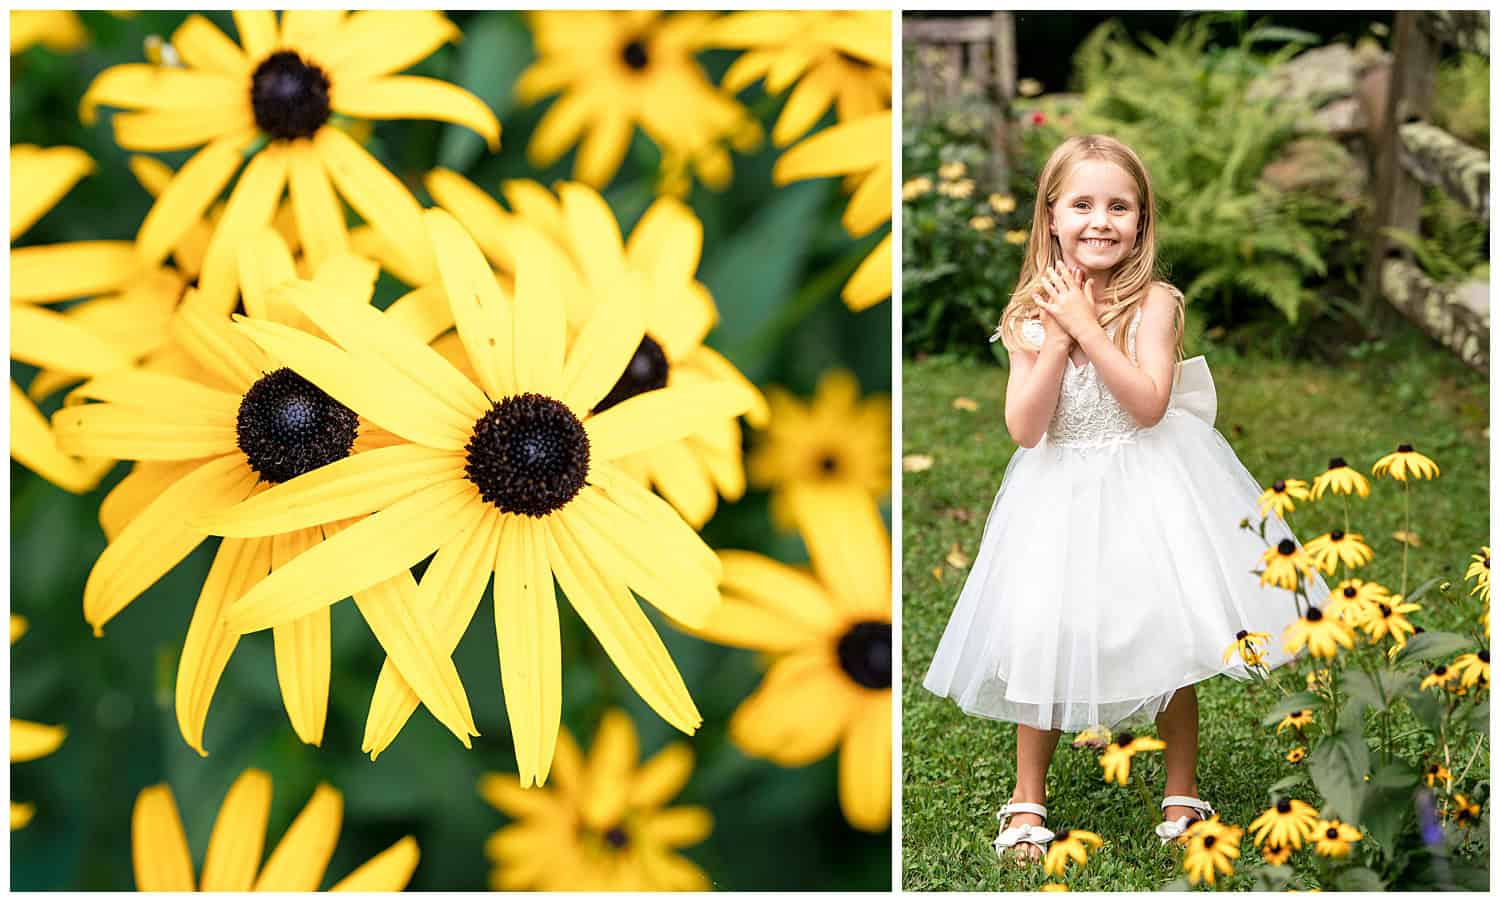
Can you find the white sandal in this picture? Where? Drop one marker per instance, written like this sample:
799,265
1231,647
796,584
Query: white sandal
1171,830
1009,837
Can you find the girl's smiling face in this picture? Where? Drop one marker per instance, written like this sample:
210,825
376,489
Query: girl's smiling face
1096,217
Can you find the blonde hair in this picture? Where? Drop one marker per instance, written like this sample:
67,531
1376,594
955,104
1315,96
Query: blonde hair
1129,282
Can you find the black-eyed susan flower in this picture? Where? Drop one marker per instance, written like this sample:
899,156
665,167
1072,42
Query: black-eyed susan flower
1388,618
1321,635
1295,720
1054,888
1122,748
1333,838
861,150
1273,854
1295,756
1283,562
829,682
616,70
1479,571
270,99
959,190
1464,812
1278,498
1405,463
838,440
211,437
1440,677
46,338
1351,599
1287,823
661,259
163,861
1317,679
1436,773
1341,479
1016,236
1249,646
1329,549
1473,668
953,170
915,188
1002,203
59,30
602,823
1069,845
836,58
1095,737
982,223
28,741
509,473
1212,848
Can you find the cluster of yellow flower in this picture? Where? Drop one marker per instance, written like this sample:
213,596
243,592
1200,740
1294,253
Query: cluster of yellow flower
507,417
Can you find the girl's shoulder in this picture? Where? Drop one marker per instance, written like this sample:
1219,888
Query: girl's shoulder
1169,288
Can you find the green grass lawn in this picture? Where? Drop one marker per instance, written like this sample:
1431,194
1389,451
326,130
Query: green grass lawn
1284,420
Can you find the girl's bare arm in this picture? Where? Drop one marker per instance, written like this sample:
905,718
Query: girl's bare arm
1033,387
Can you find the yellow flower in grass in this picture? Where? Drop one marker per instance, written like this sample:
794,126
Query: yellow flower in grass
1465,813
28,741
860,149
1436,773
1440,677
1334,838
838,439
959,190
1295,756
837,58
1321,635
1069,845
912,189
1389,618
46,338
1479,571
1288,823
1212,848
1123,747
204,441
59,30
507,474
829,683
270,99
661,258
1474,668
1273,854
1404,463
1353,598
1278,498
164,863
617,70
1283,562
603,824
952,171
1295,720
1341,479
1330,549
1249,646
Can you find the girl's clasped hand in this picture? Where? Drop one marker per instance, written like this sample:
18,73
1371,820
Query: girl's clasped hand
1067,301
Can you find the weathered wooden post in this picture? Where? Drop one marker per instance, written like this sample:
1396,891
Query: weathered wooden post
1003,32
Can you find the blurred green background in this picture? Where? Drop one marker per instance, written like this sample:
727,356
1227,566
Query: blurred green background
774,259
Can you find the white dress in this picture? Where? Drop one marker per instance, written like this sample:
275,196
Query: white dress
1113,569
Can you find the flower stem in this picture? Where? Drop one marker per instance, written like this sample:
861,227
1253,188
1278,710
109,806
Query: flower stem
1406,541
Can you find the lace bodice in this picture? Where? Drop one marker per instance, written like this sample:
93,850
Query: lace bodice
1087,415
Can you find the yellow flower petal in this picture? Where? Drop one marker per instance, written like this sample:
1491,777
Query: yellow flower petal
662,777
847,542
258,34
158,847
808,102
117,431
870,206
30,741
166,89
33,445
424,312
379,197
667,242
305,29
415,97
631,642
239,564
57,272
502,791
671,413
181,205
844,148
320,214
160,536
297,863
202,45
682,479
377,42
166,130
389,871
481,313
865,766
21,813
687,825
540,330
603,149
251,207
604,347
798,713
591,225
871,282
526,630
767,605
49,340
303,653
560,127
38,180
610,762
17,627
239,835
265,263
479,213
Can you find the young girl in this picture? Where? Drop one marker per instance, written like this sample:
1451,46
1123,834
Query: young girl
1113,570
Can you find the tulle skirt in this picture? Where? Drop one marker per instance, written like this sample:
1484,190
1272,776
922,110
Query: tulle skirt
1110,577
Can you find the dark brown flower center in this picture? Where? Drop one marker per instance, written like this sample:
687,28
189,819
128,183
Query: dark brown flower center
1403,449
1385,610
528,455
1441,670
634,55
1335,462
1350,592
1279,485
646,371
828,465
1124,739
1337,535
865,654
289,96
1314,615
617,838
1240,636
1284,806
1333,833
1209,840
1286,547
1485,656
287,426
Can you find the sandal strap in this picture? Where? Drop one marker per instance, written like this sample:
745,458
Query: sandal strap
1026,833
1189,802
1010,808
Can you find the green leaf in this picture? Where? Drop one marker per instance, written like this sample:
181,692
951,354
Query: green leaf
1428,709
495,48
1423,589
1479,717
1359,880
1362,694
1434,644
1281,786
1297,701
1395,774
1272,878
1338,764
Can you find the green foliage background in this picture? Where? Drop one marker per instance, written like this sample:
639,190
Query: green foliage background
774,259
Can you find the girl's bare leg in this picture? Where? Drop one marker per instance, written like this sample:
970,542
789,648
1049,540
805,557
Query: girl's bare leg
1178,727
1034,750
